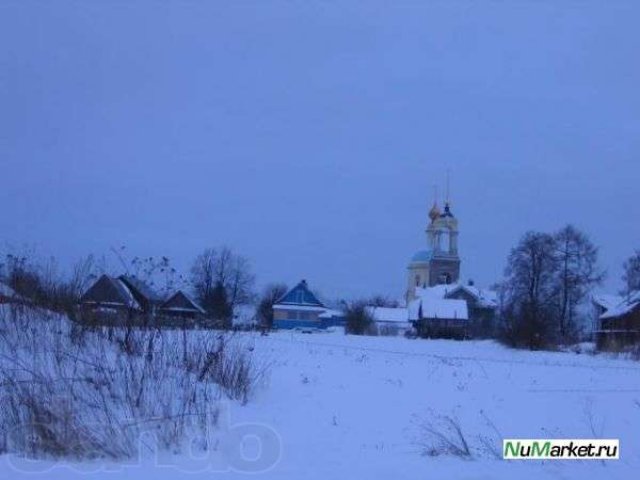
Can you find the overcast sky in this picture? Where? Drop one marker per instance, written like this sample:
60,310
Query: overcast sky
308,135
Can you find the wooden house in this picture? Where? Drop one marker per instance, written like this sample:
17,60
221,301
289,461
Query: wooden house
110,293
440,317
298,308
146,297
620,324
113,299
481,308
180,305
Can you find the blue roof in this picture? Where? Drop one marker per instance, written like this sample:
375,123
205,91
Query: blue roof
422,256
300,295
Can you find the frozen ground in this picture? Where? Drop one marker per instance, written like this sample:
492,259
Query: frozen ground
344,407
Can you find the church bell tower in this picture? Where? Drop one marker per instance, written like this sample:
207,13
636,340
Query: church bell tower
439,263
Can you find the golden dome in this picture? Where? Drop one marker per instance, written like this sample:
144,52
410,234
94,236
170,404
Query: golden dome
434,212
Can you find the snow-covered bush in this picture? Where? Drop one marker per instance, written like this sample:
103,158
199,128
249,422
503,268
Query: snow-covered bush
70,392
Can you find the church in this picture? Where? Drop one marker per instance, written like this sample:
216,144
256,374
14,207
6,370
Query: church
440,263
438,304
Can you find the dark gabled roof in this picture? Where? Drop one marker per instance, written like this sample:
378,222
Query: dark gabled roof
300,295
140,289
182,302
110,290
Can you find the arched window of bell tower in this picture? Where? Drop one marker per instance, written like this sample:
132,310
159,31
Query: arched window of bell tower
446,241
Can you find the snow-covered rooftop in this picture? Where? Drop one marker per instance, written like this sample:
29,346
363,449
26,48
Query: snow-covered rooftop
126,292
442,308
629,303
6,290
488,298
388,314
437,291
606,300
330,312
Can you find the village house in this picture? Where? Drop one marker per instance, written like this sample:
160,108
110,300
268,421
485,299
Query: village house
109,297
298,308
481,308
390,320
112,300
180,305
618,321
301,308
435,317
115,299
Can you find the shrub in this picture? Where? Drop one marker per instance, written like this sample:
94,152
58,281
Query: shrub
358,320
443,436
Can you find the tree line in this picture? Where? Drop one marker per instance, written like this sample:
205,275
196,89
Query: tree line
219,279
547,279
542,296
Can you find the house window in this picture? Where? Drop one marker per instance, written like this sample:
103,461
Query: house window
292,315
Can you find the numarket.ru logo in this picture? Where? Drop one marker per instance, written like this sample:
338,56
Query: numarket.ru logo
560,449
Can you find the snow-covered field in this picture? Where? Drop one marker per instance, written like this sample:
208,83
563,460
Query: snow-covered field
344,407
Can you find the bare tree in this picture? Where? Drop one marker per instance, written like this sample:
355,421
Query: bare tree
577,273
382,301
41,282
156,272
222,267
631,275
529,290
83,274
240,279
271,294
203,278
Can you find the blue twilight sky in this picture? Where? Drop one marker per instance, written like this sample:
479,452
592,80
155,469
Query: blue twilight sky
308,134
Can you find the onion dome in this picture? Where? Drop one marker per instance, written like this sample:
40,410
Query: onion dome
434,212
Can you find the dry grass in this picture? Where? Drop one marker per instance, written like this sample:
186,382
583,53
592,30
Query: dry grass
74,393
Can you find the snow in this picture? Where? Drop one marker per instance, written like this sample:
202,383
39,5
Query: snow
389,315
625,306
606,300
180,309
488,298
349,407
439,308
310,308
329,313
435,292
7,291
132,302
485,297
